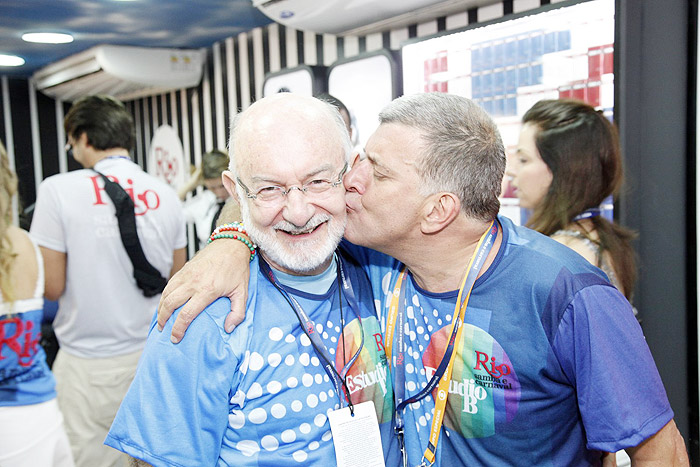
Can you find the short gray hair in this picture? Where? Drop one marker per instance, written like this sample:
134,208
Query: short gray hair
462,152
327,113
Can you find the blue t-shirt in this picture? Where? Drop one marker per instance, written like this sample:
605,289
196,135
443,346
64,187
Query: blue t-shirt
258,396
25,378
552,367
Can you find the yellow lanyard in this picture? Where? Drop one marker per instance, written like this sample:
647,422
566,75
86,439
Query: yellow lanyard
475,264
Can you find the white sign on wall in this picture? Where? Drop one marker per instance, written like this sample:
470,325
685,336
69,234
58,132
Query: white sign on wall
300,81
365,86
166,158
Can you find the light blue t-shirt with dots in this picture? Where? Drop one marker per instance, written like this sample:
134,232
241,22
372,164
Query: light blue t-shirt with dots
258,396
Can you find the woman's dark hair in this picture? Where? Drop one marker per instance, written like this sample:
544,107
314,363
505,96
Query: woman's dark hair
104,120
582,150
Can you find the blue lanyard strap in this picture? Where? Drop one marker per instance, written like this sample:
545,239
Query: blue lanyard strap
309,328
115,157
587,214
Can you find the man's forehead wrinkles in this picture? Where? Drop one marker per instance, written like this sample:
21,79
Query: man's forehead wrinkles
377,162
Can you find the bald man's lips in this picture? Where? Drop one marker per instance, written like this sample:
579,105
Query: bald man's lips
307,231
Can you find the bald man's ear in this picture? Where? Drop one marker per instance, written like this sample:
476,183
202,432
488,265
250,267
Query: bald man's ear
229,181
439,211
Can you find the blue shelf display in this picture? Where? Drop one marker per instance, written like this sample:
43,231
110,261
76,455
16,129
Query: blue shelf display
507,66
500,66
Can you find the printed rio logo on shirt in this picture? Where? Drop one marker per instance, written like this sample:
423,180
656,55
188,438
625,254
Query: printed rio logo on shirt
20,337
145,201
484,390
368,378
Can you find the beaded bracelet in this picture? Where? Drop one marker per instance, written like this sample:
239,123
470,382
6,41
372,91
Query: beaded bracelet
233,227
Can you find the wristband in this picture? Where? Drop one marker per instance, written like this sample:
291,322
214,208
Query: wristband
229,231
231,226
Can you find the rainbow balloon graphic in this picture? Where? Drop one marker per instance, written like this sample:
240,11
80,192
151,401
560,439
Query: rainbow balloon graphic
369,377
484,389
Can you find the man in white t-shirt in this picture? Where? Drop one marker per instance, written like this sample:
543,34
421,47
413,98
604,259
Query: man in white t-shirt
103,317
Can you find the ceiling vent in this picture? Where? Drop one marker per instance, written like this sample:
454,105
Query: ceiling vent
358,17
124,72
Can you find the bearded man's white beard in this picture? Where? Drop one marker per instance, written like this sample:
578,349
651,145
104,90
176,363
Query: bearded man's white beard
299,256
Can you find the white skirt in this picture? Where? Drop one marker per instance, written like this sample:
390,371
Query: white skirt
33,436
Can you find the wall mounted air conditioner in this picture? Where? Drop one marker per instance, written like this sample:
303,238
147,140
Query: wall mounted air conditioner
348,17
124,72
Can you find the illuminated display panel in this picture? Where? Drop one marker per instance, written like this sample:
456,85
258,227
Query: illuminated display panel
508,66
303,79
365,84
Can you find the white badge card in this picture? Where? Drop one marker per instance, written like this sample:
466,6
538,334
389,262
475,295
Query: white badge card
356,438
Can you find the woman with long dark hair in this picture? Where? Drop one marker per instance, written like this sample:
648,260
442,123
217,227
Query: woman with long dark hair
567,163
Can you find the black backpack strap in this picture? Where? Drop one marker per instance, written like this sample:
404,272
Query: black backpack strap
147,277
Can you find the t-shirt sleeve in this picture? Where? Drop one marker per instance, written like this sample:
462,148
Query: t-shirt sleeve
604,354
176,410
47,227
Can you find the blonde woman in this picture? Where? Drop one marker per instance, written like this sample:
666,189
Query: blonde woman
31,425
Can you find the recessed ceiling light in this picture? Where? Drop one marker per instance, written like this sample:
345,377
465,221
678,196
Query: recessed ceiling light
11,60
47,37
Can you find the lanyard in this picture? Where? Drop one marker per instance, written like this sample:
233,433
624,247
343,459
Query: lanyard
443,373
309,328
115,157
108,158
587,214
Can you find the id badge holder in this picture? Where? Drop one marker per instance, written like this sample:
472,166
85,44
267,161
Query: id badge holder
356,437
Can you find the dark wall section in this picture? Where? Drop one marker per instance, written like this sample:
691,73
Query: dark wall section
692,230
48,134
651,108
22,137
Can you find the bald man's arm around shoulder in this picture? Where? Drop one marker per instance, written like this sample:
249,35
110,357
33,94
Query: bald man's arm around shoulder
666,448
219,270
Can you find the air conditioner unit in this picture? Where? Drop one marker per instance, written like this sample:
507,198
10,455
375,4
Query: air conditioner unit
347,17
124,72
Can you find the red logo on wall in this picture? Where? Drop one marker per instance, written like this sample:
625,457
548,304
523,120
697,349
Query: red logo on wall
166,165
